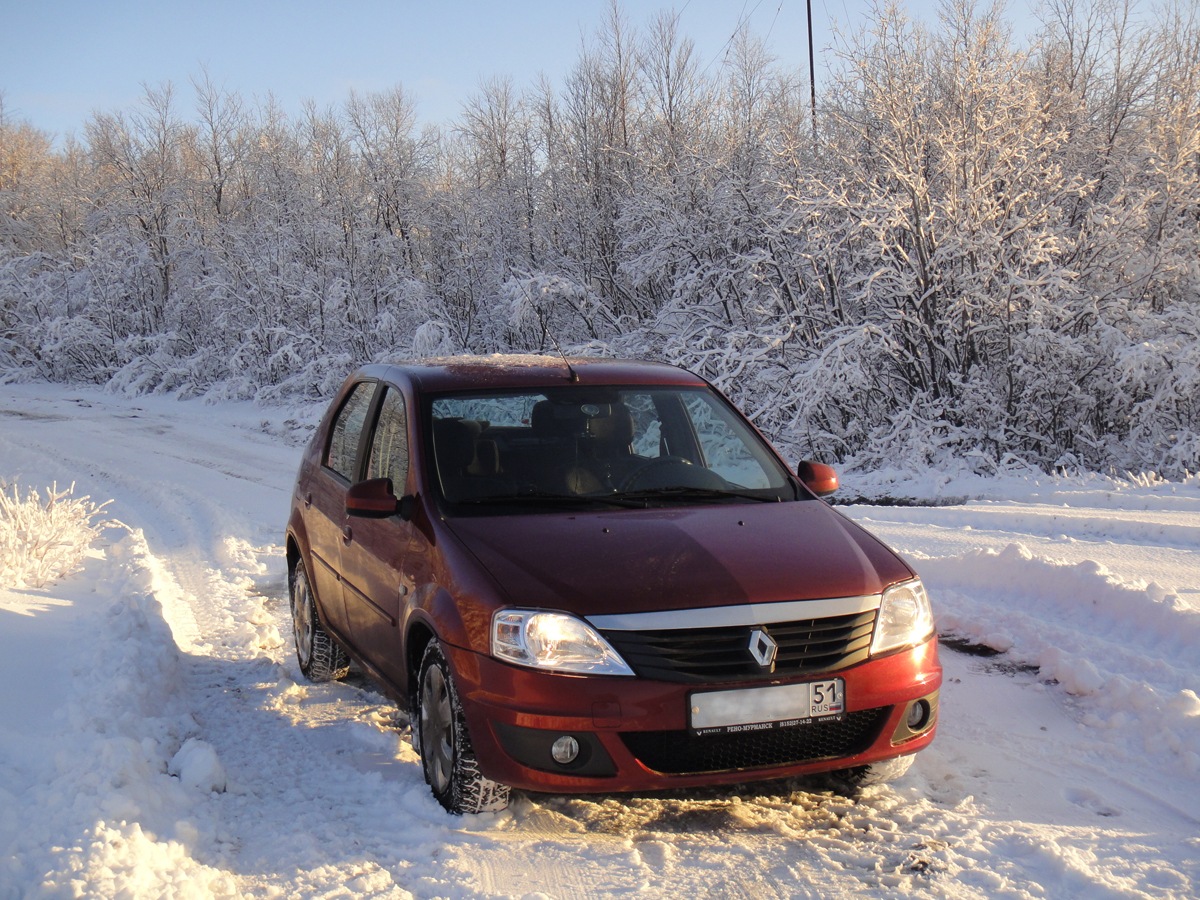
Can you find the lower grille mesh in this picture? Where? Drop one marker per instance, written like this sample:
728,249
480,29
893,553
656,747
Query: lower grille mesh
681,753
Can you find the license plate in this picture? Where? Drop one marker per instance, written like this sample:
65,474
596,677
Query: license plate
765,708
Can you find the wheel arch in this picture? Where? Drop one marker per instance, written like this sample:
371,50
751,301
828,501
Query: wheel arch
420,633
292,553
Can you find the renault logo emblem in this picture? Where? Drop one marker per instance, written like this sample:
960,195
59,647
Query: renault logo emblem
763,648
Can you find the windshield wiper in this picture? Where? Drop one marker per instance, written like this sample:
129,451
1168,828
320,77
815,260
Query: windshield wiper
681,492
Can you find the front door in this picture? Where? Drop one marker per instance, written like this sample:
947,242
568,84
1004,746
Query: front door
326,495
374,551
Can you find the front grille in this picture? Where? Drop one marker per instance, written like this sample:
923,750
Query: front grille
682,753
695,655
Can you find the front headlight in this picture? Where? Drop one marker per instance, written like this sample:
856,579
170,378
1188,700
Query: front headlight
905,617
554,641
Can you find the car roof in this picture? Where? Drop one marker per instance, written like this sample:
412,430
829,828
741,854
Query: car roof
527,370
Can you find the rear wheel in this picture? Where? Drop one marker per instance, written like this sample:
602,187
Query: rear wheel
320,658
444,743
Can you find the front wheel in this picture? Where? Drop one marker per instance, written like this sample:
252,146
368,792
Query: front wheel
444,743
320,658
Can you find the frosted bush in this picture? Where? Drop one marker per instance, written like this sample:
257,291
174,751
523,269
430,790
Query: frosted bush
45,538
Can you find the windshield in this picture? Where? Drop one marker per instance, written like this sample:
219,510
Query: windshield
583,445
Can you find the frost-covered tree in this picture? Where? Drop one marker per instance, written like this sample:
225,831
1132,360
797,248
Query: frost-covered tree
986,252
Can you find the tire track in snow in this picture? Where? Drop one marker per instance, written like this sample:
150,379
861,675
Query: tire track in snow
325,795
184,503
1140,546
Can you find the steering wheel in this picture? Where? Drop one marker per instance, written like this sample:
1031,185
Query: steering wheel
671,471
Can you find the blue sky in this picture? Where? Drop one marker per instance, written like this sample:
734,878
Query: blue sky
60,60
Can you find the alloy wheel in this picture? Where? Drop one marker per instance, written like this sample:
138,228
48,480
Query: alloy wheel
437,728
302,617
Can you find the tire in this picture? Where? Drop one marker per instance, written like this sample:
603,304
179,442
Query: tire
441,737
320,657
882,772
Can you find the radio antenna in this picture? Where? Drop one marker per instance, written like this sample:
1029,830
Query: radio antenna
572,375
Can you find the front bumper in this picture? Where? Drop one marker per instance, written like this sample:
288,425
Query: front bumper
633,733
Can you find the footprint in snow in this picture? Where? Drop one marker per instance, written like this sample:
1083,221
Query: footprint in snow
1090,800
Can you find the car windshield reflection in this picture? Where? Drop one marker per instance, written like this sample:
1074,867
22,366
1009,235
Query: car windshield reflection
579,446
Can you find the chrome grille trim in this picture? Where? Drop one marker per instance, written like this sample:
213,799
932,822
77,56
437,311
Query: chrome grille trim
741,614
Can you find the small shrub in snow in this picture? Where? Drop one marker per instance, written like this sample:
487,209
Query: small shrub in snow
44,538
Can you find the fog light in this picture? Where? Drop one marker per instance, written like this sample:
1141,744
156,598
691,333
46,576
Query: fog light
565,749
918,715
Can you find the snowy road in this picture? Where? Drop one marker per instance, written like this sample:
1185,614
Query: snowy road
1066,766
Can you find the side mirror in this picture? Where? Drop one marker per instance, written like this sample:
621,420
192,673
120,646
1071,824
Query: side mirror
818,477
372,499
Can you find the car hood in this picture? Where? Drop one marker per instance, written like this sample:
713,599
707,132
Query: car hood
682,557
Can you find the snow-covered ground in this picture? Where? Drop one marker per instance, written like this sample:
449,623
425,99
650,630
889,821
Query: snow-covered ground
157,739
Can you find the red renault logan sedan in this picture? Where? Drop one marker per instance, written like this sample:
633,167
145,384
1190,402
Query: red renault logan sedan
594,575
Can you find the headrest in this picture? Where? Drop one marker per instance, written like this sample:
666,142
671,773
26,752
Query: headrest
487,458
614,425
549,419
608,423
454,443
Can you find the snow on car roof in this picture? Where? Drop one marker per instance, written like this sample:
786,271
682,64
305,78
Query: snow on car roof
529,370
